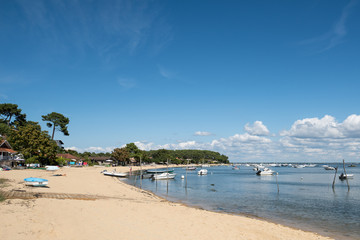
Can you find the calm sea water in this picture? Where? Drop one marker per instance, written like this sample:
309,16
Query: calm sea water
305,198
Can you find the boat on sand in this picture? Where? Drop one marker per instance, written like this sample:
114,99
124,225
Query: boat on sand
115,174
36,182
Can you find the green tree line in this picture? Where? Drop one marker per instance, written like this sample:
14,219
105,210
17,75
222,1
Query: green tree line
27,137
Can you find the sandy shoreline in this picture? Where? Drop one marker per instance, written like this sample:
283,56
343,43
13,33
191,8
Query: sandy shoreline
120,211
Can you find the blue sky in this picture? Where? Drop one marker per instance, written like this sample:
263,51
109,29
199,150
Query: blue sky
255,80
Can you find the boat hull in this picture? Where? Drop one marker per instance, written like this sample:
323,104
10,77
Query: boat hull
164,176
115,174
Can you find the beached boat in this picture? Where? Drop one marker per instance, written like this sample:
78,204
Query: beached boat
345,176
115,174
164,176
202,172
265,171
328,167
36,182
51,168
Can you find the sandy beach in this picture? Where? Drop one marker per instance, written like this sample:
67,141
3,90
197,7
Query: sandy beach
116,210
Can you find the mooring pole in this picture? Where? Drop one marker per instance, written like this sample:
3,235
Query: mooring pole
347,181
333,185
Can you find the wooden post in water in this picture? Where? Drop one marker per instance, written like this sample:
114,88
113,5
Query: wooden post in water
347,181
186,173
140,174
333,185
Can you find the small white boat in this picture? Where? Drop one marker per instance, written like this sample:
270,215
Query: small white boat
299,166
328,167
202,172
164,176
265,171
51,168
114,174
346,176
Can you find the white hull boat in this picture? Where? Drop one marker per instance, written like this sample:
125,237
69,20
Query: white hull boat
329,168
115,174
164,176
202,172
266,171
346,176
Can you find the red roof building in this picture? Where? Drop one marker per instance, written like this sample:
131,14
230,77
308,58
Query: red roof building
6,151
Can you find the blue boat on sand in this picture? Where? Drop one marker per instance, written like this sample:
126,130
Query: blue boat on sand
36,182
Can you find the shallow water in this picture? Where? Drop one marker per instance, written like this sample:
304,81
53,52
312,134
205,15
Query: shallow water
305,198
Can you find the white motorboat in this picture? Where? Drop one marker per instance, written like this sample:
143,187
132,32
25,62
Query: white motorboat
202,172
265,171
115,174
299,166
164,176
346,176
326,167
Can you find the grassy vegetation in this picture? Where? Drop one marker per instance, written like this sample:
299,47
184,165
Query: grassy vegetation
2,183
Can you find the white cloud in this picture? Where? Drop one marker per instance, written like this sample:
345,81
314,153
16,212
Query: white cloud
351,126
323,138
308,139
144,145
99,149
200,133
326,127
258,128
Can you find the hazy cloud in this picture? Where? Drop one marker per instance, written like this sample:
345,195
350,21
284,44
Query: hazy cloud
110,28
126,83
336,35
200,133
166,73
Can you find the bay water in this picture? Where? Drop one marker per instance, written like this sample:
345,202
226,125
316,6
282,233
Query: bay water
296,197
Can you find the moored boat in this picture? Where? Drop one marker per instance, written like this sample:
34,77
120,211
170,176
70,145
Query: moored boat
202,172
156,171
326,167
115,174
265,171
345,176
164,176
